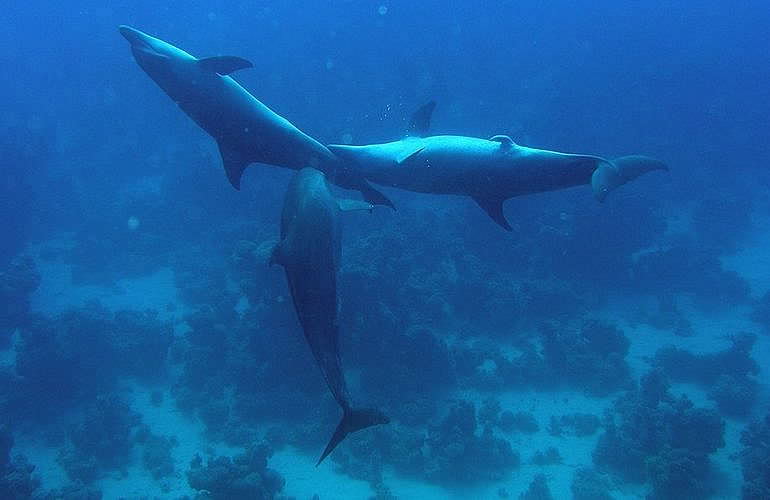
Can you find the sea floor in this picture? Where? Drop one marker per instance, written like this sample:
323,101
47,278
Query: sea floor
304,480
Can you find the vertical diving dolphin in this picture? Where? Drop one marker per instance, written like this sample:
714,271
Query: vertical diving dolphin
246,130
488,170
309,250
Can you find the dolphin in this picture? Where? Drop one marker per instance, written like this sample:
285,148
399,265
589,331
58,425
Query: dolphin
309,250
246,130
488,170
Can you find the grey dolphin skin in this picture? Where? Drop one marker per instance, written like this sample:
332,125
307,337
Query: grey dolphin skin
246,130
309,251
488,170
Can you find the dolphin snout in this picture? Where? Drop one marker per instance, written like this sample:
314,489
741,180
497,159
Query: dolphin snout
134,36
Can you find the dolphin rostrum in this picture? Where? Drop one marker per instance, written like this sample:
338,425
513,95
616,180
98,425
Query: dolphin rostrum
309,251
246,130
488,170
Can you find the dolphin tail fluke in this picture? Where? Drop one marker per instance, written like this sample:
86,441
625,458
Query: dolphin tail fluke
611,175
234,165
353,420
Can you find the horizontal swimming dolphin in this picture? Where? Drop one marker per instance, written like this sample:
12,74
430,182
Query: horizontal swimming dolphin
488,170
309,251
246,130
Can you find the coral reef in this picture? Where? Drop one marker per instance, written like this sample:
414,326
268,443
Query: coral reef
16,479
518,422
755,460
651,436
600,259
538,490
589,484
667,315
455,451
549,456
691,270
721,223
73,491
243,476
101,441
249,267
761,312
591,358
729,375
17,282
414,365
156,453
82,353
574,424
483,365
25,153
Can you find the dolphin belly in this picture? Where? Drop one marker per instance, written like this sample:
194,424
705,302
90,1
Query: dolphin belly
438,165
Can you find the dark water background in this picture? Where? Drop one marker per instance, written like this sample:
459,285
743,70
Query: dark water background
443,312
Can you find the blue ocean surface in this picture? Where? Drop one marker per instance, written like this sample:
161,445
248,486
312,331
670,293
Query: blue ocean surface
596,350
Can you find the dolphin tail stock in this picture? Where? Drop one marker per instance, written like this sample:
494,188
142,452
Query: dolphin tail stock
352,420
610,175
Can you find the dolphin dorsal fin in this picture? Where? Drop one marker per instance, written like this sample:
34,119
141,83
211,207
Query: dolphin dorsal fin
493,206
347,205
506,142
224,65
419,124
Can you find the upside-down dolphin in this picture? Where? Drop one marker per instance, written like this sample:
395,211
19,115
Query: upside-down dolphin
246,130
309,251
488,170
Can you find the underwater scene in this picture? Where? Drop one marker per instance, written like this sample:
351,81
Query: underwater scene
389,249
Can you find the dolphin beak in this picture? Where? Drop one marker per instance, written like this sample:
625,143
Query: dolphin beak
134,36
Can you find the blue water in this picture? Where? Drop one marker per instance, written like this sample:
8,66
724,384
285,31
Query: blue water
613,350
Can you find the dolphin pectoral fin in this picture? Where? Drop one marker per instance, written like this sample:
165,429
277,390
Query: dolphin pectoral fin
506,142
419,125
276,256
357,183
375,197
611,175
352,420
224,65
494,208
234,165
409,154
346,205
